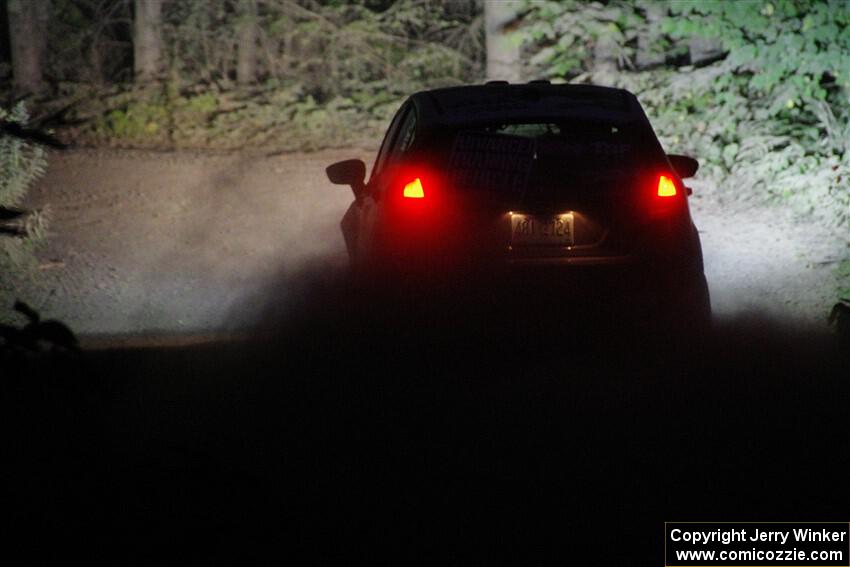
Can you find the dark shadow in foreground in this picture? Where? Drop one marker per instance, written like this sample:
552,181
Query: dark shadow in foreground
451,430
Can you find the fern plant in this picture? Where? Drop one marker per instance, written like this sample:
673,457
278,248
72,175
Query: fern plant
21,162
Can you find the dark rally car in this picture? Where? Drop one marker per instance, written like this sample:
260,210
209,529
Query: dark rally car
540,184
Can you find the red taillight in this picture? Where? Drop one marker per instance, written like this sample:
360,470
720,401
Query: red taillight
414,190
666,187
662,195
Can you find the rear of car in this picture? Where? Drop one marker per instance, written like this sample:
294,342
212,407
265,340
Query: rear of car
543,185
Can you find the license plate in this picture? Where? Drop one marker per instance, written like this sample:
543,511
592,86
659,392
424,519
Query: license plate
542,229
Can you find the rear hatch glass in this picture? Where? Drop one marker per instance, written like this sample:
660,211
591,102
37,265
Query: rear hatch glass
542,162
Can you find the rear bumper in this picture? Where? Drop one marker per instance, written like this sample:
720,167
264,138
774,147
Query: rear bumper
649,260
568,261
472,269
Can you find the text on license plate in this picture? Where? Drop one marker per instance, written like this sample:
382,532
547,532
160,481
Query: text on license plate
542,229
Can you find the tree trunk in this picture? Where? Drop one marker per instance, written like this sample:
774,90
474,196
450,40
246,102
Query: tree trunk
503,51
28,39
246,65
147,40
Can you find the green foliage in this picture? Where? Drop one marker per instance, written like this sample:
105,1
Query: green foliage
787,53
329,73
272,117
202,103
769,117
329,48
566,32
21,162
138,120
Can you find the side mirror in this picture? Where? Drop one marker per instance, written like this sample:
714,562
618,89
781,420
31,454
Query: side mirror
349,172
685,166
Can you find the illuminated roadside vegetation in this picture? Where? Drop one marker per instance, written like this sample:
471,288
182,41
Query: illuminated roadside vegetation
758,90
21,232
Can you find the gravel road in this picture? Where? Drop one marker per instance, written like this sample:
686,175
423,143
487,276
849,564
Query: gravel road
147,243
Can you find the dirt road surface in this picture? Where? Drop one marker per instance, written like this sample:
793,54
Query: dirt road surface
147,243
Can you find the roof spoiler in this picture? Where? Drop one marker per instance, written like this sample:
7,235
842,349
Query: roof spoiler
534,82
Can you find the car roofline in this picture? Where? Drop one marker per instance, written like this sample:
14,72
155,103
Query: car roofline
480,103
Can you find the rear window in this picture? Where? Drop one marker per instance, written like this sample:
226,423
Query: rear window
461,103
504,157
